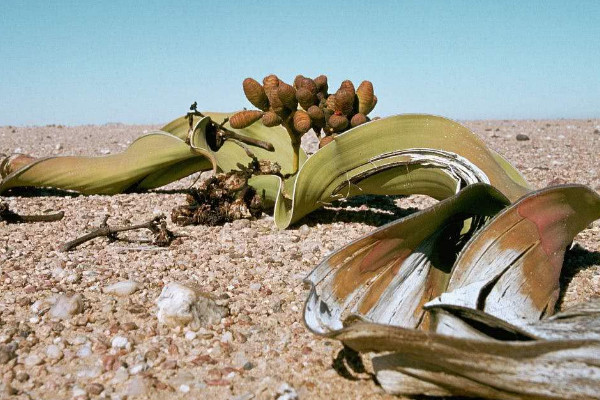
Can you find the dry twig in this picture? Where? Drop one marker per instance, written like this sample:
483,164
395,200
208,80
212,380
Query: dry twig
158,226
12,217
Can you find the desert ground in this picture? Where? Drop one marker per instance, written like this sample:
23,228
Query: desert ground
115,348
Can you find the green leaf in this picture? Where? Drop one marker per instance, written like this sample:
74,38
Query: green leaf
404,154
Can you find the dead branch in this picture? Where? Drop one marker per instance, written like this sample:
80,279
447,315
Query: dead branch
157,225
13,218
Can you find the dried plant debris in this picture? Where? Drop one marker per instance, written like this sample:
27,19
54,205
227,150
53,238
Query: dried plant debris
12,217
224,197
158,226
462,295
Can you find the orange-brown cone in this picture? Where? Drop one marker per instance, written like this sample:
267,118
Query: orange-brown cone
338,122
326,140
344,101
321,82
256,94
270,119
244,119
287,95
365,96
302,122
358,119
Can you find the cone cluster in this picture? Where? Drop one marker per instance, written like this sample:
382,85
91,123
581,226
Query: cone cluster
306,105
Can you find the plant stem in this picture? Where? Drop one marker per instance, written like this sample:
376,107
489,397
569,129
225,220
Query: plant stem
105,230
12,217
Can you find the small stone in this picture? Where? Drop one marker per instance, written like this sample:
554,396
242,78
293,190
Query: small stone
597,131
78,393
53,352
136,369
7,352
190,335
66,306
185,388
286,392
137,386
255,286
95,388
84,351
32,360
179,305
227,337
521,137
124,288
119,342
22,376
248,366
73,278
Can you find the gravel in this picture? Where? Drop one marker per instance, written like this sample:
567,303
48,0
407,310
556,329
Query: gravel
109,342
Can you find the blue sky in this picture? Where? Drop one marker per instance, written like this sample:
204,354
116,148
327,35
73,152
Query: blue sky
80,62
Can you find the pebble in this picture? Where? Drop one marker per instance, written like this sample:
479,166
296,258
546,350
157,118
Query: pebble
179,305
7,352
255,286
190,335
33,360
84,351
521,137
184,388
124,288
54,352
286,392
95,388
137,386
119,342
66,306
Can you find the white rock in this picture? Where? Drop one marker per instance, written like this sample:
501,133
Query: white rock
136,369
190,335
286,392
179,305
84,351
184,388
227,337
78,392
137,386
255,286
54,352
124,288
119,342
66,306
33,360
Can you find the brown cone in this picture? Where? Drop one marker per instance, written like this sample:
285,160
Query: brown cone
344,102
358,119
287,95
297,81
305,98
316,114
256,94
270,81
321,82
338,122
326,140
270,119
302,122
365,96
244,119
309,84
330,102
347,85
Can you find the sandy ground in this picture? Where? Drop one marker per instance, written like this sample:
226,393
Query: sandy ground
254,268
